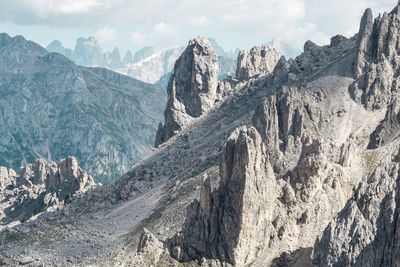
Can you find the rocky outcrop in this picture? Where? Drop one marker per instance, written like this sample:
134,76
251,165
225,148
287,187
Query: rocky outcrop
41,186
365,232
192,89
149,243
377,59
259,60
231,223
7,177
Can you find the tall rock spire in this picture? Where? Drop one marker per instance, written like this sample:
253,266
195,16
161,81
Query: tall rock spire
192,89
377,59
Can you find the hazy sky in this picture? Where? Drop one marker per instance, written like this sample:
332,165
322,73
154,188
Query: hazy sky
131,24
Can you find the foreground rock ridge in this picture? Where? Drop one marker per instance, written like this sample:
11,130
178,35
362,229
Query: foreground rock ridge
40,186
221,224
298,166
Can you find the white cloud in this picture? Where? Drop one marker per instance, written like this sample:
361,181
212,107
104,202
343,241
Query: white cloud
202,21
106,34
138,38
164,22
65,7
161,34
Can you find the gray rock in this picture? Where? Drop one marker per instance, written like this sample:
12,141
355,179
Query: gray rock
377,59
230,224
258,61
42,186
389,127
149,243
192,89
365,232
7,177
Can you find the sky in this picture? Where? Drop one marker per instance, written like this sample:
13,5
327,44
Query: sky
133,24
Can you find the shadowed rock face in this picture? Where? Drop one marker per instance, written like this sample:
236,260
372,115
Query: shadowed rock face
377,59
259,60
41,186
192,89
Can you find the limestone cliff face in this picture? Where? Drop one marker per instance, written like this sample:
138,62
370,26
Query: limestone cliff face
192,89
259,60
230,223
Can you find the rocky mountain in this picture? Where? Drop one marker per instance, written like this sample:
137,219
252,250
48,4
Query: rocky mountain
52,108
148,64
296,165
193,87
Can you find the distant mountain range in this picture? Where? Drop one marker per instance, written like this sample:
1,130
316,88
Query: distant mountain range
52,108
148,64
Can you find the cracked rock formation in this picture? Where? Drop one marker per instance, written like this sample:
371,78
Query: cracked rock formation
366,231
192,89
41,186
259,60
7,177
230,224
377,59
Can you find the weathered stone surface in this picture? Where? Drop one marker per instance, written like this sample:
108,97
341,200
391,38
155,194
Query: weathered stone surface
259,60
377,59
365,232
230,224
192,89
42,186
7,177
149,243
337,39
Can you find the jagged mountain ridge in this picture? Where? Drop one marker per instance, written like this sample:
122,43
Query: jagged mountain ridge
148,64
40,187
52,108
301,130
